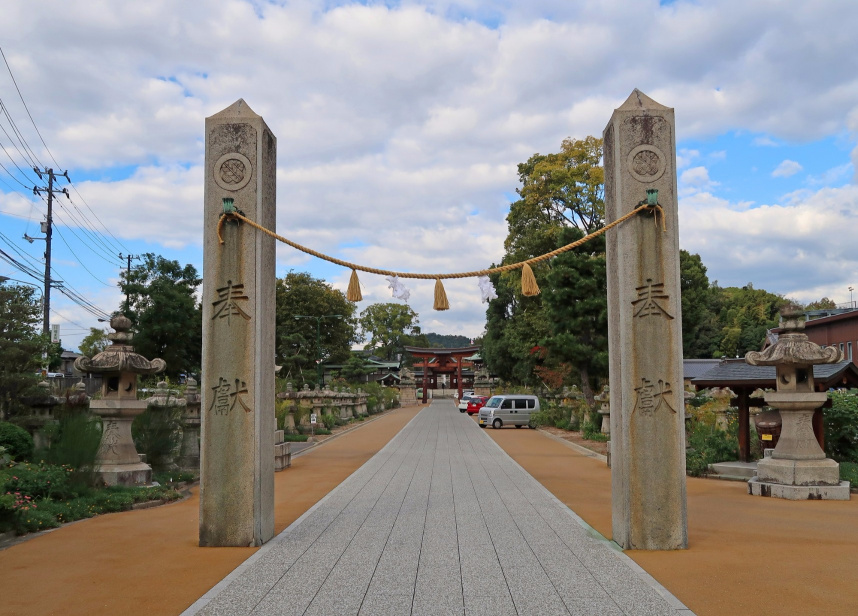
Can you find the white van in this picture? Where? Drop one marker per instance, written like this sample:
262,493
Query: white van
508,409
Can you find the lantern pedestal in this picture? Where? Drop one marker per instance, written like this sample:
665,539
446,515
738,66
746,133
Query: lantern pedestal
117,461
797,469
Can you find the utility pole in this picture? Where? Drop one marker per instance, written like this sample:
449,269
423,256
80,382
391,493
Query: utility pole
48,231
129,257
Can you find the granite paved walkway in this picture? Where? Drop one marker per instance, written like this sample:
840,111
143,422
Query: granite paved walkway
440,521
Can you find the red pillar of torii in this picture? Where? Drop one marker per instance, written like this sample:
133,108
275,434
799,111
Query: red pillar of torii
446,361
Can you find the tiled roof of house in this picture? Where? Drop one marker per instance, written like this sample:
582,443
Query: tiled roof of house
735,372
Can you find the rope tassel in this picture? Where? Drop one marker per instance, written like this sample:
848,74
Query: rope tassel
441,302
353,293
529,288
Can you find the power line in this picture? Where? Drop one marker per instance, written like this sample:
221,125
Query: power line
119,245
92,240
99,280
21,96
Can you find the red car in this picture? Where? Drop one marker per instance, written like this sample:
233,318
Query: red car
476,403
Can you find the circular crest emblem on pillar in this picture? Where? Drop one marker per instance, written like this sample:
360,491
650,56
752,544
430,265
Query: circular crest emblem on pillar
232,171
646,163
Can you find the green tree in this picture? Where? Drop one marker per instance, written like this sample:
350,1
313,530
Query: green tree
21,345
558,191
355,369
576,302
94,342
821,304
700,331
298,293
390,328
744,317
567,187
166,317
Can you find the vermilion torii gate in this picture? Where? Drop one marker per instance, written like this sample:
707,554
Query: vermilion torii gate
447,361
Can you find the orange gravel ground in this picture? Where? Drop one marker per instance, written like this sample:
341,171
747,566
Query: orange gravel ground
747,555
148,562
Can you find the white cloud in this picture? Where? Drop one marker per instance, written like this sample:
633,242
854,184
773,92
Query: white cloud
695,180
765,141
802,249
395,123
787,168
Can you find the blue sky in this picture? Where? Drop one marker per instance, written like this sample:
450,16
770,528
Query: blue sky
400,125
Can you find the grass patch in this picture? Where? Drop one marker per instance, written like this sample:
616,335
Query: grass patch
849,472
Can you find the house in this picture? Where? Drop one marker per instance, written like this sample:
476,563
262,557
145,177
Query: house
834,328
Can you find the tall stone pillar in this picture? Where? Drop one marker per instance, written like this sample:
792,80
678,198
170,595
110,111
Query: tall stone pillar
645,331
236,466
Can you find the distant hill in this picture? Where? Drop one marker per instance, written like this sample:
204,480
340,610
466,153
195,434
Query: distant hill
444,341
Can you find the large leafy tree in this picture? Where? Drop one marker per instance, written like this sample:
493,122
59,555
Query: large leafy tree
299,294
21,345
558,192
576,303
390,328
94,342
166,317
700,330
566,187
745,314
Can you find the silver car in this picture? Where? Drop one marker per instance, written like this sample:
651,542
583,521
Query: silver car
508,409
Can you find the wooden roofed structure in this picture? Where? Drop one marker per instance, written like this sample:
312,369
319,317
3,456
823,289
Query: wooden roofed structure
441,361
744,379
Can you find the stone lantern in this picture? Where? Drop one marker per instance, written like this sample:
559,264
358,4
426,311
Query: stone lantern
605,409
117,461
797,468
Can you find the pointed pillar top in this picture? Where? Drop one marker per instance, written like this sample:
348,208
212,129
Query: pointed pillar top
638,101
239,109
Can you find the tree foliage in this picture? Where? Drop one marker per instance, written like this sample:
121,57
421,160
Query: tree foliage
700,330
21,345
577,308
166,317
355,369
821,304
567,187
299,294
390,328
94,342
561,196
744,316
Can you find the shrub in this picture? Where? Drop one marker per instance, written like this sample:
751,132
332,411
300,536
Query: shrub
38,481
329,420
33,519
281,410
841,426
849,472
708,445
16,440
300,412
157,432
592,428
294,438
76,445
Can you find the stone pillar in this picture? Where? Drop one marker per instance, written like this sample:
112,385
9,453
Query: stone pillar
644,331
237,468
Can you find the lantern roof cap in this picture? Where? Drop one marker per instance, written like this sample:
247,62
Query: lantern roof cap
793,346
120,356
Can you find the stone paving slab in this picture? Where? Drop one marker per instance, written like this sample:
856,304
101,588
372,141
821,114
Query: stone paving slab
440,521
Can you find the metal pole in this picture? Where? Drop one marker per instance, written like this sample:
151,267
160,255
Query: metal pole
46,323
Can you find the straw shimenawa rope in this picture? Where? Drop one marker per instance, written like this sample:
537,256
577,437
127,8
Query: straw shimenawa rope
529,286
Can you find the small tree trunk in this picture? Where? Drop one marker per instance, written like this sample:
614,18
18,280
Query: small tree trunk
584,374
